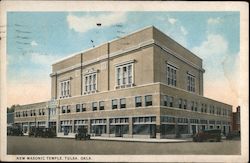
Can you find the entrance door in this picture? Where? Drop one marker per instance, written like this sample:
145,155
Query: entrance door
203,127
224,130
118,131
194,129
152,131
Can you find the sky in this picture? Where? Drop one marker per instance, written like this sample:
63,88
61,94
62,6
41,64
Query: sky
35,40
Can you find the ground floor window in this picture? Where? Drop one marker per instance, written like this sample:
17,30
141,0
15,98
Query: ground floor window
66,129
98,129
119,130
144,129
183,129
167,129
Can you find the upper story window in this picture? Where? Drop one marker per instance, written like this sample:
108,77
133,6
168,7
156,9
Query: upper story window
90,82
94,106
184,104
190,82
180,103
78,107
65,89
101,105
148,100
83,107
192,105
123,103
114,104
124,74
171,75
138,101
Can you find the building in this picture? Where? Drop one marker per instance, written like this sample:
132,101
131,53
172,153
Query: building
236,120
143,85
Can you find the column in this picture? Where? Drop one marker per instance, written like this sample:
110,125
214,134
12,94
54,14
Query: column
130,130
176,128
58,124
158,127
73,125
189,132
89,126
107,127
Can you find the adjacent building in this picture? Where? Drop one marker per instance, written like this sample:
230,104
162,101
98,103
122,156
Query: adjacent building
143,85
236,120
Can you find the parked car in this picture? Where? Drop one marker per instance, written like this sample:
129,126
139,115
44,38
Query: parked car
32,131
207,135
82,133
16,131
43,132
233,135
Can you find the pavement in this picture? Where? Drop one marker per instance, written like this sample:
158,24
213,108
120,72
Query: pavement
148,140
140,139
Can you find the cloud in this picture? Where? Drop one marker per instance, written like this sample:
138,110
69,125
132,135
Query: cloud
215,45
85,23
221,79
33,43
214,21
43,59
184,31
172,20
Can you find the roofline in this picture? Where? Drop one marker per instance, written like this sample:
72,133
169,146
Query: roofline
86,50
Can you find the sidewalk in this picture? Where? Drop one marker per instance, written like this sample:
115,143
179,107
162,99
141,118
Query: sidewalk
153,140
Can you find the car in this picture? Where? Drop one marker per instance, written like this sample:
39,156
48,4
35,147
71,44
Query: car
207,135
82,133
16,131
233,135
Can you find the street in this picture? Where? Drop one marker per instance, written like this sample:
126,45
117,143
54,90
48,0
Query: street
24,145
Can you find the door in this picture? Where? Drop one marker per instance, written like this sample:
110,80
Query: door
152,131
194,129
118,130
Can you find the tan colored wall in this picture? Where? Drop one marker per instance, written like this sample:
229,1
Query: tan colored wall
174,46
76,59
160,70
131,40
177,93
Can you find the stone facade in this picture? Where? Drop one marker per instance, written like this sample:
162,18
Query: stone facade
142,85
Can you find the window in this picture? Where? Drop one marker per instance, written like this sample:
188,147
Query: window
114,104
192,105
205,108
78,108
94,106
123,103
171,101
124,75
64,109
101,105
190,82
196,106
65,89
83,107
90,83
171,75
180,103
165,100
202,108
148,100
184,104
138,101
68,109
